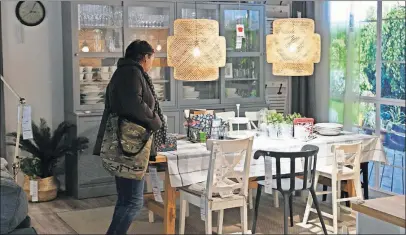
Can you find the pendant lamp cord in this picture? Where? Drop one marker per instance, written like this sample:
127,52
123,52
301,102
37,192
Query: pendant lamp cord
196,42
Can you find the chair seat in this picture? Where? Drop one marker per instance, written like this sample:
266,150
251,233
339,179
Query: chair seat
198,189
285,183
327,171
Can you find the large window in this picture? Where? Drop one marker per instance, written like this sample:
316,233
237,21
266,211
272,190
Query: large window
367,79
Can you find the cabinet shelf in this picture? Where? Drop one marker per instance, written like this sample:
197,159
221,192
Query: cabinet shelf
99,27
148,28
159,81
240,79
95,83
99,54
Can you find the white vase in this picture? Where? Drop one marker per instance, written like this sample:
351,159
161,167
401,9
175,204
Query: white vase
273,130
286,131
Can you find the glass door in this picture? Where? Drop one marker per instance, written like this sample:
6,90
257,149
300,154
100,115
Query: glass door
243,76
152,22
98,46
207,92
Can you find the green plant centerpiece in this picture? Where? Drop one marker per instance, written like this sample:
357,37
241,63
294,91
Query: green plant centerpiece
291,117
45,150
274,120
286,127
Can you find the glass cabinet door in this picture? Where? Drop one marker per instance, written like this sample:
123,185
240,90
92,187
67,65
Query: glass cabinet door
100,28
204,90
250,18
151,24
242,77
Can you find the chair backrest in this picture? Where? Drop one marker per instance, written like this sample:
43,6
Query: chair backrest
252,117
222,177
302,163
347,155
225,115
240,121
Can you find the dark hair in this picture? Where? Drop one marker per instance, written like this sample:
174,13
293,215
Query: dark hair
138,49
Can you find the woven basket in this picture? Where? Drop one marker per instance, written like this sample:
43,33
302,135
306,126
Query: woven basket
47,188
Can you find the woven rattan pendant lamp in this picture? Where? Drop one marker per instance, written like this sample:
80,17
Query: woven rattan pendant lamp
293,48
196,51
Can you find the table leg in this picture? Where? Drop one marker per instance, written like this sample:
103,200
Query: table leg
364,168
351,189
169,206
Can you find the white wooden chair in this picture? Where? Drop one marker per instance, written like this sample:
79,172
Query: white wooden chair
225,187
252,117
344,155
225,115
239,121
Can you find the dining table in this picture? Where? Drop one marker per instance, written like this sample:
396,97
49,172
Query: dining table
190,162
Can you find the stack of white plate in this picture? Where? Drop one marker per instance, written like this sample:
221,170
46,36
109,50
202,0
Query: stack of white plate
159,89
330,129
91,94
190,93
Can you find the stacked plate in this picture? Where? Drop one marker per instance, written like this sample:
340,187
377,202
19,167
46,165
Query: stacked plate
159,89
190,93
91,94
329,129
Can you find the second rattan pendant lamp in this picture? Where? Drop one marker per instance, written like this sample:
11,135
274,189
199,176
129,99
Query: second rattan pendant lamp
196,51
293,48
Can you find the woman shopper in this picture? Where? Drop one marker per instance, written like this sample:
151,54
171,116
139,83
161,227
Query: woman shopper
131,97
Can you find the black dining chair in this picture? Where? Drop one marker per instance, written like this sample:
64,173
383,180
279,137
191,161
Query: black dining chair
287,183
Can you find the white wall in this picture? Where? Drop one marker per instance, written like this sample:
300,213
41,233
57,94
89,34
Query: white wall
33,66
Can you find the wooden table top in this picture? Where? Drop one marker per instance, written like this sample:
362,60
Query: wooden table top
389,209
159,159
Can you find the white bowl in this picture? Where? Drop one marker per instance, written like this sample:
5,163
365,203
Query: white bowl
105,76
88,76
88,69
188,89
113,69
81,69
104,69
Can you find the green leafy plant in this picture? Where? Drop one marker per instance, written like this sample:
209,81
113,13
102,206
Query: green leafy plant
275,118
46,149
290,117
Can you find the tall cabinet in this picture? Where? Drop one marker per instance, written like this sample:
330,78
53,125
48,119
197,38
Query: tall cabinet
95,37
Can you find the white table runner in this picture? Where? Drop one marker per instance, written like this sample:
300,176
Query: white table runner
189,164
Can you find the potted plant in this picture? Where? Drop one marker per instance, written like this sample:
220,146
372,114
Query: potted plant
287,125
274,121
46,149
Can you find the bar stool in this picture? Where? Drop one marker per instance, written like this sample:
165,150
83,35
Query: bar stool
287,183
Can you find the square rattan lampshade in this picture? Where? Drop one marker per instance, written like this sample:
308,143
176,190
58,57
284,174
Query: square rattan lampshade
293,48
190,34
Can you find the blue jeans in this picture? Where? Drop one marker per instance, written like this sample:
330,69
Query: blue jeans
130,200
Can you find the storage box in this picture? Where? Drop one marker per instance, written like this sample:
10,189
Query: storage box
171,144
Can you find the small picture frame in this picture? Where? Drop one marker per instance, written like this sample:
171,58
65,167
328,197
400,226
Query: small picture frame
228,70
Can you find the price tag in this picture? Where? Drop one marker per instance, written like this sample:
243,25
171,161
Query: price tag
203,204
156,189
240,30
34,190
268,175
26,125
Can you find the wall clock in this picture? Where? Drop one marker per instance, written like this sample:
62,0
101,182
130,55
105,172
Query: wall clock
30,13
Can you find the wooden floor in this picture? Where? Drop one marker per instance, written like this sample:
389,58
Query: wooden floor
270,220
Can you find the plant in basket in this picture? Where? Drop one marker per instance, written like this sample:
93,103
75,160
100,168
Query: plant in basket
46,149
